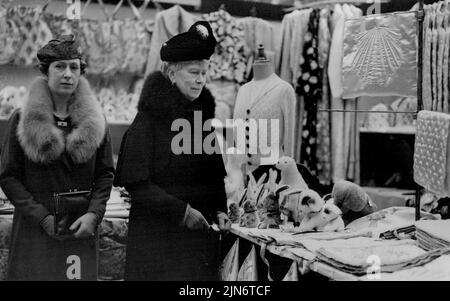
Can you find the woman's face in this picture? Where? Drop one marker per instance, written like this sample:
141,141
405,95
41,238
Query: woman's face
190,78
63,76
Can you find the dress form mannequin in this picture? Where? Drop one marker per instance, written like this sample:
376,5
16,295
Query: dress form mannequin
266,97
262,67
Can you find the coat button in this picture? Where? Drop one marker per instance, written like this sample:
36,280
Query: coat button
249,155
248,111
250,163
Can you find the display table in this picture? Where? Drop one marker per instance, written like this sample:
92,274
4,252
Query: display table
303,248
305,258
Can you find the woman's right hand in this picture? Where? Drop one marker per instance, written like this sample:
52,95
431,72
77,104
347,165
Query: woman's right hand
194,219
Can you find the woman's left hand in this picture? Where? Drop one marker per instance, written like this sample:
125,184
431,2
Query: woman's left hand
223,222
86,225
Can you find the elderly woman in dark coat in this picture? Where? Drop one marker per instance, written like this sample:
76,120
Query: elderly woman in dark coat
175,196
57,142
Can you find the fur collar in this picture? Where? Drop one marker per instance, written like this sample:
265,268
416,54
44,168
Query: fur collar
159,97
43,142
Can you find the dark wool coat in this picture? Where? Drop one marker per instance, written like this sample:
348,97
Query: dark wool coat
37,159
162,183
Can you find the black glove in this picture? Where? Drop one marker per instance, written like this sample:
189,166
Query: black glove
194,219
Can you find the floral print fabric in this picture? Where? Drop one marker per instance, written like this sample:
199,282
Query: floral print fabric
229,61
310,87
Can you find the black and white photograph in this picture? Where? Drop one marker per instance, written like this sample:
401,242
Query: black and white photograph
225,142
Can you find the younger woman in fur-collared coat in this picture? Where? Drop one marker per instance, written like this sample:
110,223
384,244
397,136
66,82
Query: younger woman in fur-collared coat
57,142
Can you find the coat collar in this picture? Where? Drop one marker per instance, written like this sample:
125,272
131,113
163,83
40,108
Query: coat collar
160,98
43,142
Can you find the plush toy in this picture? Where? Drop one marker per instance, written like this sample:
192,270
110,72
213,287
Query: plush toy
328,219
271,215
310,202
270,187
353,201
234,213
250,217
296,204
290,174
255,189
289,206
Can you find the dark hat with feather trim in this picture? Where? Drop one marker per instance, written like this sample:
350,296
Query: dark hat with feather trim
198,43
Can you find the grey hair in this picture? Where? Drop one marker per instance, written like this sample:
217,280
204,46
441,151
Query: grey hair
167,66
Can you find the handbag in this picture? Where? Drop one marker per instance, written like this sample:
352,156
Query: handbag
69,206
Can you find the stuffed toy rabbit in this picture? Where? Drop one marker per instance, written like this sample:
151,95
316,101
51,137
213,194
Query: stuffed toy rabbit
250,217
271,215
255,189
235,211
270,187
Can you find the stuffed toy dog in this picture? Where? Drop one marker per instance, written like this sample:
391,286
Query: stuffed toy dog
328,219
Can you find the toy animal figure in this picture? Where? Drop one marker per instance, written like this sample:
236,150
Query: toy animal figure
255,189
271,215
290,174
250,217
270,187
234,213
297,203
328,219
310,202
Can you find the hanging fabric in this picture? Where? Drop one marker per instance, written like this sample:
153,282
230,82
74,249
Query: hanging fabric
445,64
168,23
10,38
34,31
137,35
434,41
344,138
310,87
293,30
432,152
229,62
249,270
436,52
292,274
379,56
324,118
104,40
256,32
59,24
229,269
426,81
